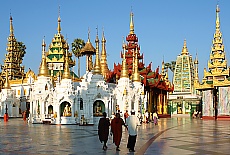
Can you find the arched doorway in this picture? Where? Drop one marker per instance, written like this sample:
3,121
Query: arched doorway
98,108
65,109
50,109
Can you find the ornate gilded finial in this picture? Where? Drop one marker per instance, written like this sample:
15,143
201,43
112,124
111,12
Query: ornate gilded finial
7,82
11,25
217,18
196,59
124,70
196,68
43,69
136,74
88,35
97,65
163,67
131,23
184,49
59,21
66,73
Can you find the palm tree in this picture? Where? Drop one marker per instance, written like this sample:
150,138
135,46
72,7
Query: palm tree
77,45
171,65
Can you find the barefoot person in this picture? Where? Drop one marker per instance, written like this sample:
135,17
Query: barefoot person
116,129
103,130
132,123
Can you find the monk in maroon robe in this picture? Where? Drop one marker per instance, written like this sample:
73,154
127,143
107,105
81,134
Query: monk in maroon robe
103,130
116,129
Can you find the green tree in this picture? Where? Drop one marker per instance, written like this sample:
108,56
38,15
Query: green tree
22,50
77,45
170,65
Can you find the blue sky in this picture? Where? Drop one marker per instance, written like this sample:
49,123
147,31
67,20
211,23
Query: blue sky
160,25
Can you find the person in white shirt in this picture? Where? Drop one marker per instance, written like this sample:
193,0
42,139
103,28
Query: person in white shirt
132,122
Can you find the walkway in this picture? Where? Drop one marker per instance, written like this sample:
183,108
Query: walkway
181,136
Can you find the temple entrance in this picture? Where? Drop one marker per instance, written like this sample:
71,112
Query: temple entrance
50,109
65,109
98,108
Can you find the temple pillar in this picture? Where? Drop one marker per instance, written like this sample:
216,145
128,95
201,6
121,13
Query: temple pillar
165,104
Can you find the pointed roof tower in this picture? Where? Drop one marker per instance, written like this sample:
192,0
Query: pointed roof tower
59,22
184,49
43,69
136,74
104,65
217,64
13,58
88,50
131,25
97,66
55,56
66,73
124,70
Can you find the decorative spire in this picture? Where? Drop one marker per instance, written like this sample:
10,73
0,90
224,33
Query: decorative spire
184,49
136,74
217,18
97,66
196,68
88,50
88,41
124,70
7,82
59,21
104,65
131,23
11,26
163,67
43,69
66,73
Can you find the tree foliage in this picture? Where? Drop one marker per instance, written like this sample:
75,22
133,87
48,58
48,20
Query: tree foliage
77,45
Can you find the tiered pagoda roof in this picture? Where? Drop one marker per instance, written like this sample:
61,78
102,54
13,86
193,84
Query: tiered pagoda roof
218,72
56,55
14,57
135,65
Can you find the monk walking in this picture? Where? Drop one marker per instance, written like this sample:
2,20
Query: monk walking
116,129
103,130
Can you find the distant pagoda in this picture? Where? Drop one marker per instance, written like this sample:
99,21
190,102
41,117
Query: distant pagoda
155,85
184,99
183,79
14,57
55,57
216,81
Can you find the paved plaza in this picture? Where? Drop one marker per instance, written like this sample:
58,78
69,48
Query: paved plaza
179,136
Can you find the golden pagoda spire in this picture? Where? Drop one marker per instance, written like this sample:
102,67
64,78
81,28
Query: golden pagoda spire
66,73
124,70
97,66
217,19
43,69
184,49
196,68
59,21
163,67
7,82
136,74
131,23
104,65
11,26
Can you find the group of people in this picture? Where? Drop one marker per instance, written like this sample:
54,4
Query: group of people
131,122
